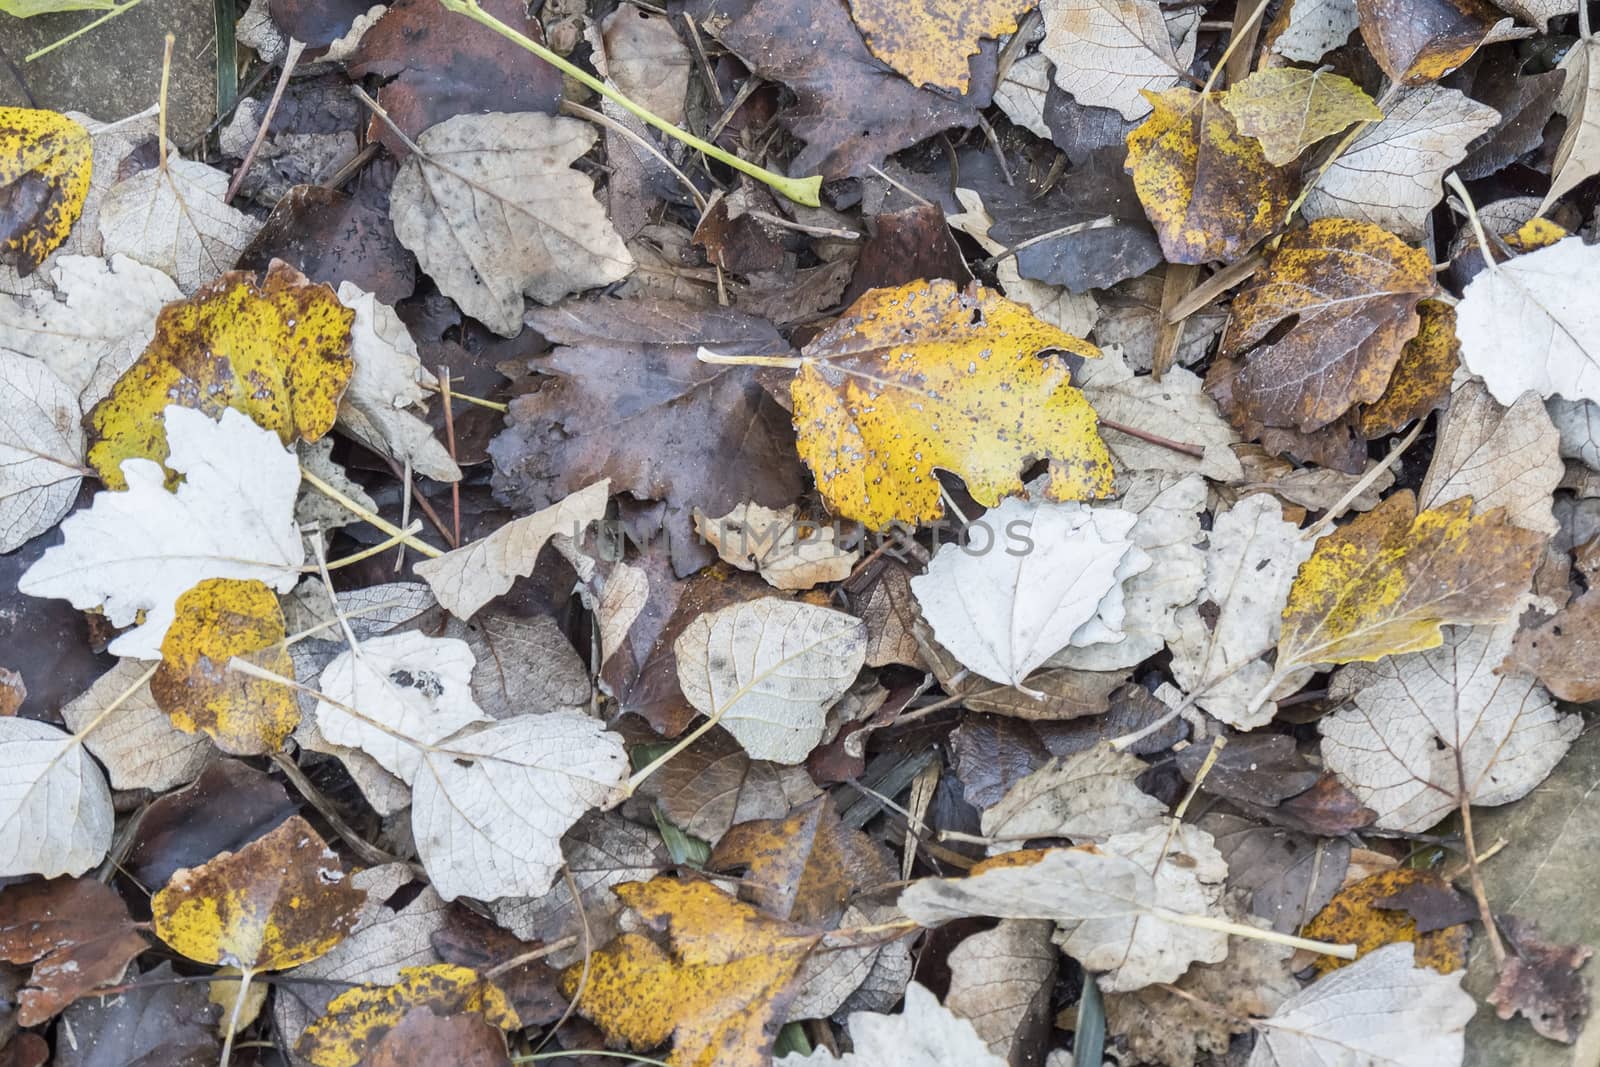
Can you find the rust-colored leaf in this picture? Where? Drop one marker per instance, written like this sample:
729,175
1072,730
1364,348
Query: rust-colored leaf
1420,41
76,933
1358,915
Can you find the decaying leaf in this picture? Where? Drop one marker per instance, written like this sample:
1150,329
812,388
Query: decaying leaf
1089,796
713,785
1363,914
1501,457
1289,109
1307,30
41,449
718,989
173,218
133,553
927,376
278,902
1000,982
45,162
768,670
45,773
1422,378
924,1034
1427,733
493,210
77,934
1106,52
1578,155
359,1019
276,350
1561,650
1541,981
1420,41
1209,190
931,43
160,1020
1175,408
789,552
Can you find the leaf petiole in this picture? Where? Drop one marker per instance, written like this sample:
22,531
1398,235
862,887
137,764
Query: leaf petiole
805,191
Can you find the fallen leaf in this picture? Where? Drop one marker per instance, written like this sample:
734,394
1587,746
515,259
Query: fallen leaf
133,553
647,62
1055,306
1499,456
229,805
469,207
717,991
241,1003
931,45
1022,92
1527,324
335,237
522,664
45,162
1313,28
1051,694
889,608
1578,153
1430,732
1106,52
1540,981
1312,488
1391,175
158,1020
1289,875
1057,582
278,902
1175,407
276,350
218,619
1358,915
467,578
1254,770
869,977
1420,41
46,772
767,670
870,414
1289,109
924,1034
1209,190
358,1020
1524,101
1347,292
1422,378
422,1039
1089,796
77,934
173,218
41,449
13,692
530,987
1000,982
713,785
1560,650
789,552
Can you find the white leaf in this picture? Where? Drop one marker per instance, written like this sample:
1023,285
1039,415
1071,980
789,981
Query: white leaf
139,550
1022,91
768,670
1089,796
1105,51
41,449
1578,424
137,742
1176,407
1380,1010
55,809
1050,576
469,577
386,383
1114,915
924,1034
409,689
1316,27
1578,154
1393,174
1250,566
174,220
493,209
1412,717
489,805
788,552
1538,12
1168,531
1533,323
1500,457
101,321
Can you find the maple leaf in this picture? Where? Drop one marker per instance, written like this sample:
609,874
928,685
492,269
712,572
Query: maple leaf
45,163
1348,292
1288,109
931,44
928,376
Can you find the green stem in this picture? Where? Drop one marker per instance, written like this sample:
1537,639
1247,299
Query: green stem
81,30
805,191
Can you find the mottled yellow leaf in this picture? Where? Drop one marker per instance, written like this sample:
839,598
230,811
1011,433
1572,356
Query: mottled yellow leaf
1535,234
1421,380
718,990
1386,582
1371,913
925,376
216,620
1209,192
1288,109
358,1019
45,161
277,350
278,902
931,41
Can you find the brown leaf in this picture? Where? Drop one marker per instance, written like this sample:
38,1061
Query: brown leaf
804,868
1421,379
227,807
1263,769
737,240
1289,875
1420,41
1000,981
1355,915
76,933
25,1050
1562,650
470,940
359,1018
334,237
159,1020
906,246
1328,809
316,23
1066,693
891,613
12,691
1541,981
713,785
423,1039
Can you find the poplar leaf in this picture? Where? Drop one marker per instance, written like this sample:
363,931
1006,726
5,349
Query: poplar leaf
1289,109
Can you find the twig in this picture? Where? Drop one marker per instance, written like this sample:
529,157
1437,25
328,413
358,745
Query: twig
801,227
450,441
161,104
372,517
1479,894
1197,451
423,504
1361,484
530,956
368,553
1176,284
289,60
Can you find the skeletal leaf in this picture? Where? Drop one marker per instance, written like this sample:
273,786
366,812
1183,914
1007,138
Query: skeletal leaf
77,934
1289,109
135,552
359,1019
924,1034
927,376
1089,796
45,162
1106,52
41,449
1425,732
55,809
931,43
173,218
137,742
492,209
1499,456
768,670
1051,576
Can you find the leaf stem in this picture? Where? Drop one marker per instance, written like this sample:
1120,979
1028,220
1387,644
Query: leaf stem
81,30
375,519
365,553
1208,922
805,191
245,974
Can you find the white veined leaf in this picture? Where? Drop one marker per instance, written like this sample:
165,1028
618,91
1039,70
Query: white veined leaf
41,449
55,809
173,218
924,1034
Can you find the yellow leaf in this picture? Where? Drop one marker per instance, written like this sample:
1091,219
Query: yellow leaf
216,620
720,990
930,42
358,1019
1289,109
1386,582
1535,234
1210,193
1370,914
278,351
45,161
225,992
278,902
926,376
1421,380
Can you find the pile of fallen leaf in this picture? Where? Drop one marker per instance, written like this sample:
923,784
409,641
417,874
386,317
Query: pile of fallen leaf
487,582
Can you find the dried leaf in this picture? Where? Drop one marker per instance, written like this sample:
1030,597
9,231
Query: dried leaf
229,805
911,379
1289,875
45,162
1313,28
422,1039
1498,456
1106,52
713,785
45,772
173,218
890,611
358,1020
1000,982
158,1020
41,449
647,62
1087,797
1541,981
1420,41
1422,378
932,43
1578,155
924,1034
1360,914
1288,109
789,552
1561,650
1175,407
77,934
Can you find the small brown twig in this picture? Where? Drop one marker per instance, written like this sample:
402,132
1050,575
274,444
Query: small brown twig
289,61
450,442
1197,451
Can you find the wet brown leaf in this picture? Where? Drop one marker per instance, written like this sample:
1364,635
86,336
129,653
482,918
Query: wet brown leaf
76,933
